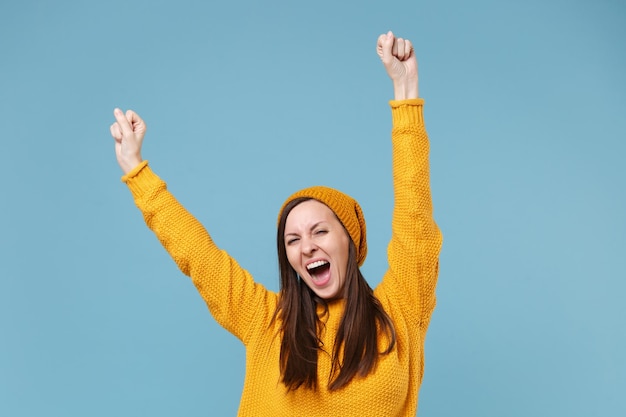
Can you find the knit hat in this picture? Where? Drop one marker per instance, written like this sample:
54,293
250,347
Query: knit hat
345,208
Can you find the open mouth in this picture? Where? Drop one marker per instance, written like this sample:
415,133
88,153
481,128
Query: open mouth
319,270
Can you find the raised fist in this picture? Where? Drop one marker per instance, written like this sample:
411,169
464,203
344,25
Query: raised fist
128,132
398,57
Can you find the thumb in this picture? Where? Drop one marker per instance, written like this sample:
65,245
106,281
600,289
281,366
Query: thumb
385,47
123,122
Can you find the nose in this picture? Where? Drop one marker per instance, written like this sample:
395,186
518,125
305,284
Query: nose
308,246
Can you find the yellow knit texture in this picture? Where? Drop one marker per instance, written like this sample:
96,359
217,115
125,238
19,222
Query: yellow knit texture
245,308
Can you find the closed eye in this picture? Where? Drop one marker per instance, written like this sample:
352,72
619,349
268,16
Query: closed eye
292,240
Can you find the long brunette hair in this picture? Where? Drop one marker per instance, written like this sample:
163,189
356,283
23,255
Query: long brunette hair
362,320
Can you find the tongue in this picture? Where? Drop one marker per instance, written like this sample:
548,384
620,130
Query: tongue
321,275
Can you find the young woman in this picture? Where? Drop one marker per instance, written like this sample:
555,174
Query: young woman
326,344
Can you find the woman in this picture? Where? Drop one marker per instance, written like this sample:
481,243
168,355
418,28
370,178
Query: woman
326,344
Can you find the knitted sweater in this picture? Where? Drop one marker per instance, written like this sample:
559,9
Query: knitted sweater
245,308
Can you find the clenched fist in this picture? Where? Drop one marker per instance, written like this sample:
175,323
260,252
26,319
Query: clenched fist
128,132
398,57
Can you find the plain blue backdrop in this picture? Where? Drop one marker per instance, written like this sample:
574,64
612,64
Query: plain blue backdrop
247,101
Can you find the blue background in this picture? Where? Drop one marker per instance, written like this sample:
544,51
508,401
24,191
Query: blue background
247,101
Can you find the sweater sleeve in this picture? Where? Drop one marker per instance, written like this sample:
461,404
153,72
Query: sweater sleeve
413,252
228,290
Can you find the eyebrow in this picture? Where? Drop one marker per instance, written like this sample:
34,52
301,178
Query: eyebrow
311,228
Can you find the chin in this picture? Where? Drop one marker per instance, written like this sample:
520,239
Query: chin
331,294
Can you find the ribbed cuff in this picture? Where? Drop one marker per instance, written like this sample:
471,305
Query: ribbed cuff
407,112
141,179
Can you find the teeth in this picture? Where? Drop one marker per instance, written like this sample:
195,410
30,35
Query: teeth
315,264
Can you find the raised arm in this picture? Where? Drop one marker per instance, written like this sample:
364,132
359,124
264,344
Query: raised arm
228,290
413,252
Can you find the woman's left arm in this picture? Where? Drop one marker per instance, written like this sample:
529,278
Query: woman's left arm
416,240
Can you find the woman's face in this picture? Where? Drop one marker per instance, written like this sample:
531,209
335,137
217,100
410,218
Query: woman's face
317,247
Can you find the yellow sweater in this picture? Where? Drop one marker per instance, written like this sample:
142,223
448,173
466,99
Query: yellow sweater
245,308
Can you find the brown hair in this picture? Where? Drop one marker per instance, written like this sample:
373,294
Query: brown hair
362,320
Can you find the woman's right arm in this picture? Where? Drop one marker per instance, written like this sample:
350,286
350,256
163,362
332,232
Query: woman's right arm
229,290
